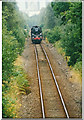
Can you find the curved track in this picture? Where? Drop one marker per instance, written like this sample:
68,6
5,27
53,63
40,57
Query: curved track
52,103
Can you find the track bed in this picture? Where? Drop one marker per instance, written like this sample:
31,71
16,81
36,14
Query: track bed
53,107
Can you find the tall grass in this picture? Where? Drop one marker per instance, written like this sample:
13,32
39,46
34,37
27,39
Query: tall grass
18,85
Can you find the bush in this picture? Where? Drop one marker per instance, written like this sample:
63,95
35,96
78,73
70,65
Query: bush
53,35
78,67
72,43
18,85
9,53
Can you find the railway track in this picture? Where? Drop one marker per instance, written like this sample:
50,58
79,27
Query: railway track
52,103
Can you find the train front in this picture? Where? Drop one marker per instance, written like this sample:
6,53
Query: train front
36,34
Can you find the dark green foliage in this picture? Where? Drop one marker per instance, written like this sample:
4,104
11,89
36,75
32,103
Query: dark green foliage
72,35
75,13
9,53
71,31
72,43
59,7
53,35
67,28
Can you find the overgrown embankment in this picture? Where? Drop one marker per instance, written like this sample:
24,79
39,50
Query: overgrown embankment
14,79
17,86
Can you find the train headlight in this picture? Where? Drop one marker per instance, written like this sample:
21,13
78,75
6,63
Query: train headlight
40,33
32,34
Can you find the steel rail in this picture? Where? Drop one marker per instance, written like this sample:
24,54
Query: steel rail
42,104
64,106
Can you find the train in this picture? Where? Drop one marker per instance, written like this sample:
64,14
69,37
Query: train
36,34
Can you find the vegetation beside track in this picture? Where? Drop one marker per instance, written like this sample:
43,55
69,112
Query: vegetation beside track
76,70
18,85
66,33
14,79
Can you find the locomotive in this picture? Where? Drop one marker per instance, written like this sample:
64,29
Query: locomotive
36,34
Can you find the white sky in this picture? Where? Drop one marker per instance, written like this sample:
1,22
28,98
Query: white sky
31,6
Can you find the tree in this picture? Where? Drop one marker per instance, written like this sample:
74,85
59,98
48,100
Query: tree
49,18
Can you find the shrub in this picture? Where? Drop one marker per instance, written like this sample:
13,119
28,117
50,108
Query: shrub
53,35
72,43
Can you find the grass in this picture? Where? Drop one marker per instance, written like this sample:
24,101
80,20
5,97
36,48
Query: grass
12,101
46,40
76,77
61,50
76,70
18,85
